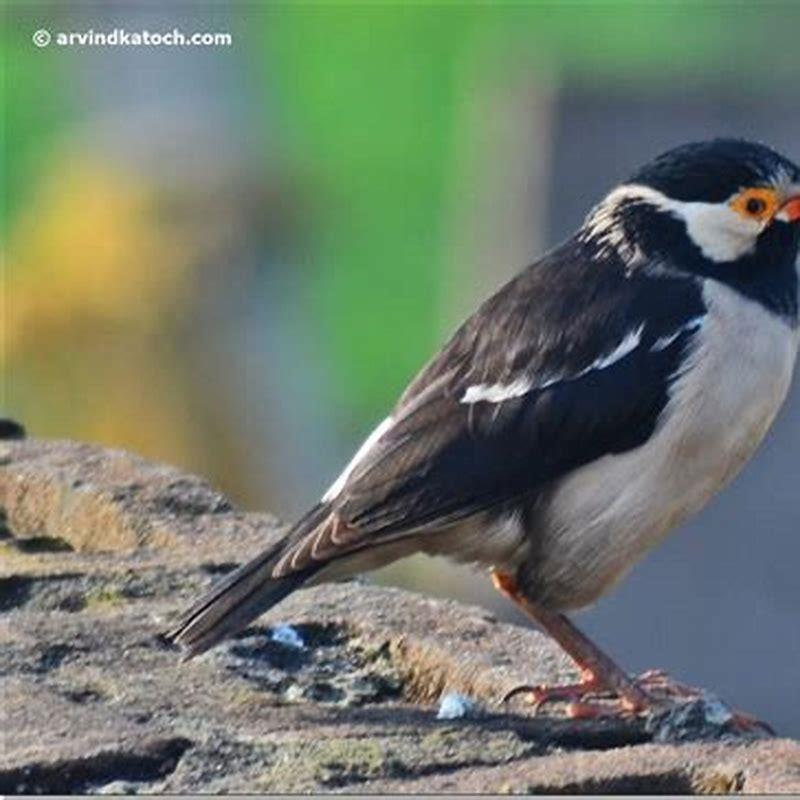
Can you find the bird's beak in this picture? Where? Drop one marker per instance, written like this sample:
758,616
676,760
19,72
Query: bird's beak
790,210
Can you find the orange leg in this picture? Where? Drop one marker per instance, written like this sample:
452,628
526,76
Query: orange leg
598,672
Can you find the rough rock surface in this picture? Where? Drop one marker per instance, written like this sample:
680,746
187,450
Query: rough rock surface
98,552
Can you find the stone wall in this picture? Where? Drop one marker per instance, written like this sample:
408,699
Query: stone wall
337,689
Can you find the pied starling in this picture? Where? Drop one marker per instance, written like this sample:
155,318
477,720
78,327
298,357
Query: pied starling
585,410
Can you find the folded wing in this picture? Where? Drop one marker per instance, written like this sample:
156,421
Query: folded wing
539,381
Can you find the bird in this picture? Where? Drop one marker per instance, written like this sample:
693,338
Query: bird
586,409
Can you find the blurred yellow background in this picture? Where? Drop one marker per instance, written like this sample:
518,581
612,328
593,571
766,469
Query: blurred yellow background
233,258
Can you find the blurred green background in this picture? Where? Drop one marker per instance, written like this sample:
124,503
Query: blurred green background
234,258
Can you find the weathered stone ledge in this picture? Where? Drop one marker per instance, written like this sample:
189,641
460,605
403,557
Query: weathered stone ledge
99,549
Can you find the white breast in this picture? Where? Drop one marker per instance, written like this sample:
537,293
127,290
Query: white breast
606,515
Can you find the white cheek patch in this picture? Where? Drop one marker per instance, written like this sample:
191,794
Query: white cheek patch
720,233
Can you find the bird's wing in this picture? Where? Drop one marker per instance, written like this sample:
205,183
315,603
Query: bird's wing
561,367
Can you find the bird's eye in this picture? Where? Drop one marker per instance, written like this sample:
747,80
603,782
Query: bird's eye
756,204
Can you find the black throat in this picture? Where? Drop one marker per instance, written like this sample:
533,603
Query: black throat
768,275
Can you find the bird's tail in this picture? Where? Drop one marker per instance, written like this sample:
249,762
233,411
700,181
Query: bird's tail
242,596
233,603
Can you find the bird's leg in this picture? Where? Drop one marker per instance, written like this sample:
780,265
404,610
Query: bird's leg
598,672
652,690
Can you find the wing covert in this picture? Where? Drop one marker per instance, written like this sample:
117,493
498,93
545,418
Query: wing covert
526,390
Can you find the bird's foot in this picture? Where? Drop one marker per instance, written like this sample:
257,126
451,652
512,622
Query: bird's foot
580,697
541,694
652,692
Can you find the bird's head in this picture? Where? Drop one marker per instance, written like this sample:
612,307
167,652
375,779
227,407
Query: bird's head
726,208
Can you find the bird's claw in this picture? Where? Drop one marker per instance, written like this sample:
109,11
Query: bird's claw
538,695
656,685
575,694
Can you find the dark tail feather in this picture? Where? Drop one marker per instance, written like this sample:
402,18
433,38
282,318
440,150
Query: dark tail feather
234,602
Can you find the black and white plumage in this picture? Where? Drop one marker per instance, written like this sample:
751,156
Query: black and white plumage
586,409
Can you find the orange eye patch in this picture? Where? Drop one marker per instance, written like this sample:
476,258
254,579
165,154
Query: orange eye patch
756,204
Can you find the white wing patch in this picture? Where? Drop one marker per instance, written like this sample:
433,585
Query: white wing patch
629,343
339,483
499,392
665,341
